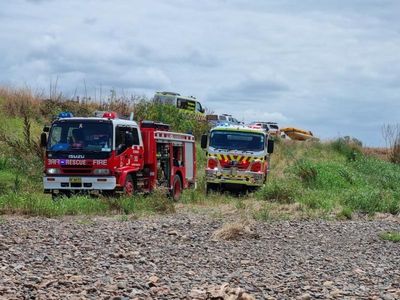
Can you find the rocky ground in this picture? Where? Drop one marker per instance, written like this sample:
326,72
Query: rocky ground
181,257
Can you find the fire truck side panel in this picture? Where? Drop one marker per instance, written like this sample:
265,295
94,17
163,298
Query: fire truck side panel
189,161
178,163
150,158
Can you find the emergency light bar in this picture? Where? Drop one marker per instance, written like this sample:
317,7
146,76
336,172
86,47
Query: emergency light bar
65,114
110,115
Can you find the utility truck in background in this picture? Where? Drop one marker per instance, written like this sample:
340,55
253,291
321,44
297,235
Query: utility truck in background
109,155
237,156
188,104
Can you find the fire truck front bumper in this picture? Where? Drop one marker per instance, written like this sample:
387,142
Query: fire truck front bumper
235,176
51,183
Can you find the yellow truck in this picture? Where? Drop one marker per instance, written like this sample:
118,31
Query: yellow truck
237,156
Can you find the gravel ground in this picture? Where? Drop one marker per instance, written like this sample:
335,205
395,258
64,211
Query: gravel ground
176,257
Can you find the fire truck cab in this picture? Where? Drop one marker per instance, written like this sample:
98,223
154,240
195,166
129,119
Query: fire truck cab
109,155
237,156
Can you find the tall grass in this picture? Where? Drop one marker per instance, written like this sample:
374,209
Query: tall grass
24,103
334,176
37,204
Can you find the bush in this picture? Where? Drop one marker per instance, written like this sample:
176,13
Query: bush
345,214
392,236
306,171
391,134
278,191
348,147
319,199
3,163
371,199
263,214
37,204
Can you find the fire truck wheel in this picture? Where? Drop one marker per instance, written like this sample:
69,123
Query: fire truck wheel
59,196
211,187
128,186
177,188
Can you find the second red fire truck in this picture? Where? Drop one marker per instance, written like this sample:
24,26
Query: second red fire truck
111,155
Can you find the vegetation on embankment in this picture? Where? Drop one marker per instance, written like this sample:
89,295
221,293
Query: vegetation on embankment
333,177
308,179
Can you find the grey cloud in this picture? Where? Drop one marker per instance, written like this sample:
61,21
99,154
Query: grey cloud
90,21
250,89
322,65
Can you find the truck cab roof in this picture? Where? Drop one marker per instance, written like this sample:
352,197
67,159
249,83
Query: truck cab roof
94,119
240,128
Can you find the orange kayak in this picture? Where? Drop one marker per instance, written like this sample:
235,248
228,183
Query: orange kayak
298,134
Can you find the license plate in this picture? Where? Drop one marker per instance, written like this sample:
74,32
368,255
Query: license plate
233,171
75,180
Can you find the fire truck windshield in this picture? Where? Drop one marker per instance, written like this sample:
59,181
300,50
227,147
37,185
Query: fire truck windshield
236,140
78,135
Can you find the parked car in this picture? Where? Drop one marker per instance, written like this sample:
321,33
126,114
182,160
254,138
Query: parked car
271,127
222,119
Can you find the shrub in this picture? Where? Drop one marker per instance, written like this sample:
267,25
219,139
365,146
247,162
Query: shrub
391,134
3,163
281,191
392,236
306,171
319,199
371,199
348,147
263,214
345,214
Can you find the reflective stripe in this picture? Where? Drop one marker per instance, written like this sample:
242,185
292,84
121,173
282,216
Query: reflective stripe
239,158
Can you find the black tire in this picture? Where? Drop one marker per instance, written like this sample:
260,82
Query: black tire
176,188
252,189
60,195
108,193
211,187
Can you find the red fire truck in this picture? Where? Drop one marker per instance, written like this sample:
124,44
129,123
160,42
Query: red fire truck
110,155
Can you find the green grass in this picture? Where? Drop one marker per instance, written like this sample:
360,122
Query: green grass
37,204
263,214
390,236
332,177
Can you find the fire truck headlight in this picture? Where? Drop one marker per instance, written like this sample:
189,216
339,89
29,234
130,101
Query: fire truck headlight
53,171
101,172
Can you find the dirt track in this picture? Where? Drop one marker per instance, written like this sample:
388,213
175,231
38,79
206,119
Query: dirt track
174,257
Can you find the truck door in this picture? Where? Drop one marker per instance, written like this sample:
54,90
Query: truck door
189,163
127,156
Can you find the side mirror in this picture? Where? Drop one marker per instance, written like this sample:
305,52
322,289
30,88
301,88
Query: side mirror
270,146
43,139
204,139
46,128
128,139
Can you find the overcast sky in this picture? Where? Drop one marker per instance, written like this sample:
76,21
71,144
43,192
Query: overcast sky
329,66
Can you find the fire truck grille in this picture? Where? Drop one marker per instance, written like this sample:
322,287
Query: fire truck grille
76,171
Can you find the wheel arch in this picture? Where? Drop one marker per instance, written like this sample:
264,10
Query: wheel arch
179,173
